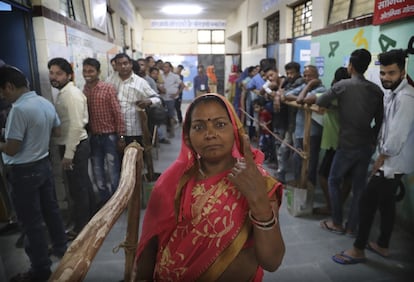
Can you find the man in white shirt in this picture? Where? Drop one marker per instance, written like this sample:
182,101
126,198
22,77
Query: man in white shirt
173,87
134,94
73,144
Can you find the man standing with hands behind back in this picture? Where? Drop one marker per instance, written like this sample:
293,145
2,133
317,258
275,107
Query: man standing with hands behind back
30,123
73,144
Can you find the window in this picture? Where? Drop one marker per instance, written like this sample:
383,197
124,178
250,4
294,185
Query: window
79,11
110,25
63,8
74,9
132,37
302,19
341,10
254,34
362,7
123,33
211,42
272,28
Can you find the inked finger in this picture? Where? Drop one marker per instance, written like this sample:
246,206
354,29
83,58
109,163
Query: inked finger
247,153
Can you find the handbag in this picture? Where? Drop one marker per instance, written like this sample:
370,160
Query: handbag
158,114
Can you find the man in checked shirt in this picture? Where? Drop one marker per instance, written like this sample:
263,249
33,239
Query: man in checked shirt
107,128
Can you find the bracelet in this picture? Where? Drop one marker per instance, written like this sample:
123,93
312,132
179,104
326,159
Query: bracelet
264,225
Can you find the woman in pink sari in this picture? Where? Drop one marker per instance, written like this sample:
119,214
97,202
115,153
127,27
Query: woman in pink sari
213,214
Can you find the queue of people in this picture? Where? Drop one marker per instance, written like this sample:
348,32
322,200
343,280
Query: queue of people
220,207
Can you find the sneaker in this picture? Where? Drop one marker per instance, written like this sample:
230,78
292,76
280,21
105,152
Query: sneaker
31,276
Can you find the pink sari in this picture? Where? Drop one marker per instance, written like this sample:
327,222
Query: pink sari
201,225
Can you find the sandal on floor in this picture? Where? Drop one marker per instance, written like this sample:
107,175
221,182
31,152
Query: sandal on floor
345,259
375,251
324,225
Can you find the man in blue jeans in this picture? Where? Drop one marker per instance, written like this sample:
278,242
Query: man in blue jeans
107,129
29,126
360,102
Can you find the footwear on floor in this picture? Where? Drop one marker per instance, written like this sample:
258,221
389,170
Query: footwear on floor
324,224
322,211
350,233
345,259
373,247
71,235
10,228
55,253
164,141
31,276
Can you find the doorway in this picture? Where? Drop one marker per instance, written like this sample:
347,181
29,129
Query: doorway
18,45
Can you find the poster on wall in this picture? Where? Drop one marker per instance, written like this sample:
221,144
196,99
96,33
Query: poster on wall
302,51
388,11
190,63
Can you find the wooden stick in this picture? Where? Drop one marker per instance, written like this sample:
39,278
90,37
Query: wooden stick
78,258
299,152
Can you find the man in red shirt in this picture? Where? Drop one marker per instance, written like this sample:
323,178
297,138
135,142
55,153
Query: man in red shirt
107,128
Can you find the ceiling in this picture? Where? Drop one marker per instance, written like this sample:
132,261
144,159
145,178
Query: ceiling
212,9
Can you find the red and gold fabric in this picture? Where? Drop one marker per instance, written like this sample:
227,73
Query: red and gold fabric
201,225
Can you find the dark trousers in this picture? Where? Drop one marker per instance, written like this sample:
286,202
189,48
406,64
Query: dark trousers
34,198
378,194
354,161
80,186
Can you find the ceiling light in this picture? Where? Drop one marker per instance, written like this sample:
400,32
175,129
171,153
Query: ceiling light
181,9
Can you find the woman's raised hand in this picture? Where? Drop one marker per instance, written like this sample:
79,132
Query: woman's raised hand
246,176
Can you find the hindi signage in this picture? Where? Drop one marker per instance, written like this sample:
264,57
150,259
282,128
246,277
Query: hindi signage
391,10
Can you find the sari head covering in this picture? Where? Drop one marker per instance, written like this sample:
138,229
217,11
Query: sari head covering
211,74
168,199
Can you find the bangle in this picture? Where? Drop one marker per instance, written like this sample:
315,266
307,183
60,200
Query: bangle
264,225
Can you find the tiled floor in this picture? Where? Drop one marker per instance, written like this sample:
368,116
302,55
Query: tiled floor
308,249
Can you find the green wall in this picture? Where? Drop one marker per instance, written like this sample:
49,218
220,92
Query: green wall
334,50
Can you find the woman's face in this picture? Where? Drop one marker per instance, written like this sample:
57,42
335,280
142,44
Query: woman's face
211,132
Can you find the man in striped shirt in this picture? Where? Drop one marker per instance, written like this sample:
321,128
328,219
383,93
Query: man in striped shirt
134,94
107,128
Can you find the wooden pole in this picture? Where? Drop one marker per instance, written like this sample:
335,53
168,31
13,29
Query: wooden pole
306,149
131,239
308,109
78,258
146,140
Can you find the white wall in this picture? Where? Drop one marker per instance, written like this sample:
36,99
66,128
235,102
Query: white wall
171,41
